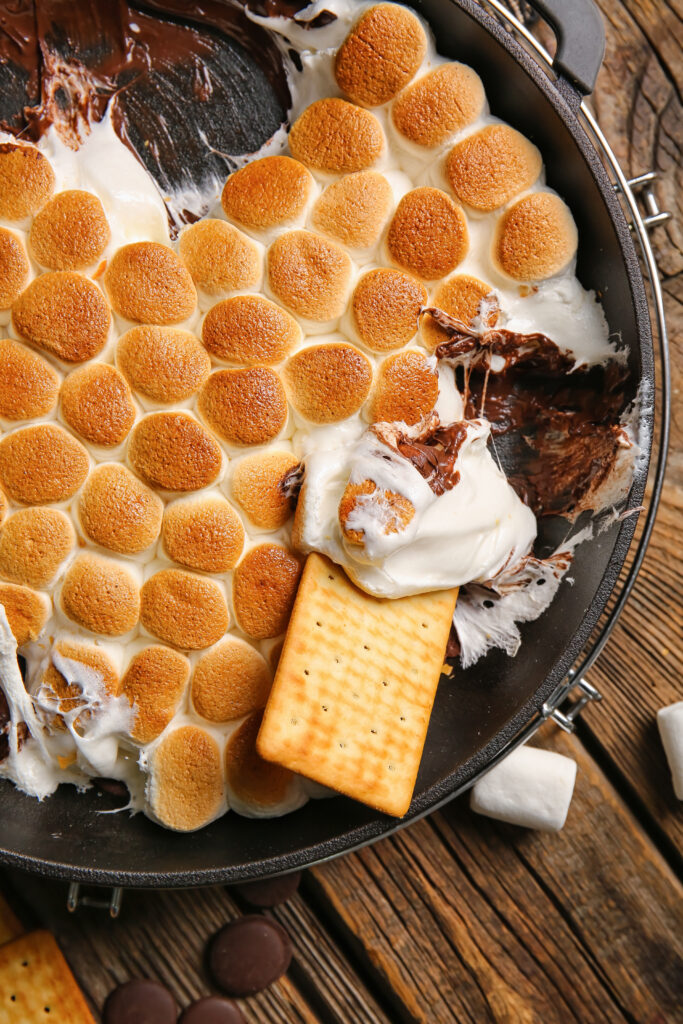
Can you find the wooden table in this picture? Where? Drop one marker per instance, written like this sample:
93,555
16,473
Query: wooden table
457,918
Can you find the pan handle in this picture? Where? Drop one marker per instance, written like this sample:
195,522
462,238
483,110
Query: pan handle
580,35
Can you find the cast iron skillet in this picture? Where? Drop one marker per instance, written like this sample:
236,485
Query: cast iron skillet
477,712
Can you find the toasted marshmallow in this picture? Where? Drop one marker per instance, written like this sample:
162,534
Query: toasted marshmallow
27,611
463,297
264,586
396,511
380,55
148,283
203,533
244,406
444,101
385,309
184,610
101,595
3,507
171,450
535,238
65,314
33,544
70,232
327,383
354,209
154,683
165,364
119,512
249,329
42,464
428,234
220,258
67,697
267,193
230,681
96,402
257,486
29,387
406,389
185,786
488,168
258,788
309,275
26,181
14,268
336,137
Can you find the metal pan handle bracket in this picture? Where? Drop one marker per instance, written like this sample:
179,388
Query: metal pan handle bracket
76,899
580,34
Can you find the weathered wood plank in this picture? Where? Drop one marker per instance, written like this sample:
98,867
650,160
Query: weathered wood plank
481,922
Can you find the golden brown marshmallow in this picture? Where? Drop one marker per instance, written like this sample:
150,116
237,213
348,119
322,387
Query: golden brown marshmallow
354,209
26,180
230,681
185,790
267,192
439,104
184,610
488,168
327,383
336,137
100,595
249,329
407,388
535,238
14,268
203,533
309,275
165,364
380,55
67,696
257,486
244,407
219,257
119,512
428,234
42,464
147,282
398,510
64,314
385,308
251,778
264,586
70,232
174,452
34,542
154,683
27,611
97,404
29,387
463,297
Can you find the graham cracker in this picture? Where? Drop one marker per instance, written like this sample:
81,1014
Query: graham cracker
355,685
36,984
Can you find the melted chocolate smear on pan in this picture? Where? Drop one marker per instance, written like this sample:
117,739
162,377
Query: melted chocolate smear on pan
190,85
560,425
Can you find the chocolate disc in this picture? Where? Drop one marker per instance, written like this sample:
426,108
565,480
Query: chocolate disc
249,954
269,892
140,1001
212,1010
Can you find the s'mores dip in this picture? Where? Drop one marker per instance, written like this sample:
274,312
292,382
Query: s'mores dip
307,382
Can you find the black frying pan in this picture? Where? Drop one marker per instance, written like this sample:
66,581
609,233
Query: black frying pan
477,712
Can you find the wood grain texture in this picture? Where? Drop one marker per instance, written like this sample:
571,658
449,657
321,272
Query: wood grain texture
464,919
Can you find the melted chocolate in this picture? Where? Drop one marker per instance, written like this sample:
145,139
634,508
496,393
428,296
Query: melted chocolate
5,727
561,424
433,453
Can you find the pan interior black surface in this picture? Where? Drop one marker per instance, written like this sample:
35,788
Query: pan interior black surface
476,711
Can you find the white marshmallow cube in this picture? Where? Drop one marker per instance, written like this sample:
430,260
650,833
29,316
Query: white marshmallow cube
670,722
530,787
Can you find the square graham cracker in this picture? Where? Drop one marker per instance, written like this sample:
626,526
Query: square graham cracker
36,985
355,686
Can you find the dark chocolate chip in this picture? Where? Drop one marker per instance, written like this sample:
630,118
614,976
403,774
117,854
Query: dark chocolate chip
269,892
140,1001
249,954
212,1010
